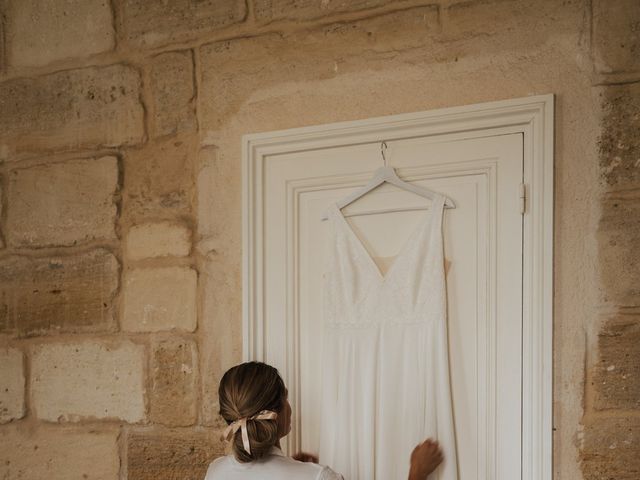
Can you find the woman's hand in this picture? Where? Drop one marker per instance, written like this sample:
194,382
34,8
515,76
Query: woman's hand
425,458
305,457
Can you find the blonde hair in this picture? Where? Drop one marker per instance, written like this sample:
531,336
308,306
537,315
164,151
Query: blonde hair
245,390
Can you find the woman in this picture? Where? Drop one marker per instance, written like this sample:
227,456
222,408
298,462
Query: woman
253,402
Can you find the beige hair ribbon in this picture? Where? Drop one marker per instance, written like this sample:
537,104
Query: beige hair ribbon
241,424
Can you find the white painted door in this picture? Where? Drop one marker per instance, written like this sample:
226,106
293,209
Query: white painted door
484,260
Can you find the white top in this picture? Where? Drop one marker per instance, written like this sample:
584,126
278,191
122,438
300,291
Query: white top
274,466
385,384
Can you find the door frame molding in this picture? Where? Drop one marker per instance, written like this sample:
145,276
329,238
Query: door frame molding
533,117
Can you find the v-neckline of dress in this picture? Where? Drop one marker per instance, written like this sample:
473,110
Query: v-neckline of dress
420,227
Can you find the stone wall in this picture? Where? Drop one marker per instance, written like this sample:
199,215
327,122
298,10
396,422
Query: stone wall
120,223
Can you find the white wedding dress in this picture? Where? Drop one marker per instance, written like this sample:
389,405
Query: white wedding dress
385,364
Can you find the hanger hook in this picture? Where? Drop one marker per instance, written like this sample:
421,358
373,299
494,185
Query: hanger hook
383,148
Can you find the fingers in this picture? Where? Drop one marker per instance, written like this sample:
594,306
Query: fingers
425,458
430,448
430,444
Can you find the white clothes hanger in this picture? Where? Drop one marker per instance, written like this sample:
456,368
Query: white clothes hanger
388,175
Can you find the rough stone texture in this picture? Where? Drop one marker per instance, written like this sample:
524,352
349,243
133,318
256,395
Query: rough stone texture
183,454
159,180
42,32
172,82
62,203
71,109
219,247
221,327
234,72
3,54
154,22
270,10
610,449
12,385
79,381
174,377
216,177
157,299
58,294
616,35
617,375
158,240
58,453
2,234
619,254
619,141
522,21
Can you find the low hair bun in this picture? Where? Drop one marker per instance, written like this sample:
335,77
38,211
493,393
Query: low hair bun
244,391
263,435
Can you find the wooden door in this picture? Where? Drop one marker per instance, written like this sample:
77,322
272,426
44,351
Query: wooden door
488,262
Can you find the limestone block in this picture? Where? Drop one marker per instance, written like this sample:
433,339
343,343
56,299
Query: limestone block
219,188
3,55
516,25
172,82
159,181
58,294
71,109
610,449
208,175
616,379
221,324
158,240
619,249
80,381
12,385
233,71
616,35
62,203
174,377
243,71
155,22
180,453
220,328
270,10
42,32
58,453
2,244
619,142
157,299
